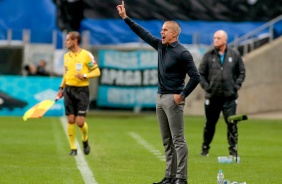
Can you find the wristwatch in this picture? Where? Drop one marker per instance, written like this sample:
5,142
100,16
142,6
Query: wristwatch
84,76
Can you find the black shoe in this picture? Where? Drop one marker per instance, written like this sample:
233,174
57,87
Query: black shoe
233,152
73,152
180,181
205,151
86,147
166,180
9,102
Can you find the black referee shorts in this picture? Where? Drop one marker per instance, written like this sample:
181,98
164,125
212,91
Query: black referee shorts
76,100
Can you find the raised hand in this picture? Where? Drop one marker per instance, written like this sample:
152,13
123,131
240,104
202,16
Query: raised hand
121,10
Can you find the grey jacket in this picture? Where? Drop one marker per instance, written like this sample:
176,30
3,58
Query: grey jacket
222,80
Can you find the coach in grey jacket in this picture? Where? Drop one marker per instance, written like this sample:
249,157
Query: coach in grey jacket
222,74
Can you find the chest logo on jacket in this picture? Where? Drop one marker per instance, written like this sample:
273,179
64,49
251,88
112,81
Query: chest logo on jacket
230,59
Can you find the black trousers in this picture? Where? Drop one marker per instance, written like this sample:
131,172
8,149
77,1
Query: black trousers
213,108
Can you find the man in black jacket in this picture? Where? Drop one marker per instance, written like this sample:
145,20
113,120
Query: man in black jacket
174,63
222,74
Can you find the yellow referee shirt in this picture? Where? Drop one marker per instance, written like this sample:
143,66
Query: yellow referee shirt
81,62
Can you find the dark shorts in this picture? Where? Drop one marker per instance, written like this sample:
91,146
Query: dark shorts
76,100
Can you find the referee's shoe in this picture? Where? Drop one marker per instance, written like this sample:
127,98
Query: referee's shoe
73,152
86,147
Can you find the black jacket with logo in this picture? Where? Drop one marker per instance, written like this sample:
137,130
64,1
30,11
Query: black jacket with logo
222,80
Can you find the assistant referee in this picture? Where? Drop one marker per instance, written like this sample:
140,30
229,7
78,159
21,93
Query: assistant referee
79,66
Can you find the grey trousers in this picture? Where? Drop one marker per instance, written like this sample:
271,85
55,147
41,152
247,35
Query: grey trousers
170,117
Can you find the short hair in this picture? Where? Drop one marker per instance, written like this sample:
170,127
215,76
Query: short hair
175,26
75,35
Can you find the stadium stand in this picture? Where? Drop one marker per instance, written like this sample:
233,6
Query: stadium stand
37,28
197,18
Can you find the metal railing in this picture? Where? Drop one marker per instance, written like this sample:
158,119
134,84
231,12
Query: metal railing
249,40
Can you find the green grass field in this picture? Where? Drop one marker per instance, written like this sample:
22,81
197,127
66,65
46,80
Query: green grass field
36,151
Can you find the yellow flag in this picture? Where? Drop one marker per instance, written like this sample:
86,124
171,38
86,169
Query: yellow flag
38,110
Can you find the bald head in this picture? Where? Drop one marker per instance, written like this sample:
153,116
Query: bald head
222,34
220,39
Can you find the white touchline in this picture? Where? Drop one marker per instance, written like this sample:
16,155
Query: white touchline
82,165
147,145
